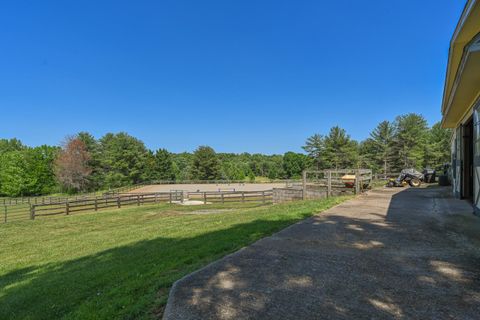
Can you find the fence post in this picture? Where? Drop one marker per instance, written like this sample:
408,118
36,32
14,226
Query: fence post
357,182
96,203
118,202
156,196
5,211
243,196
223,198
263,197
170,197
329,183
67,207
204,198
304,185
138,199
32,212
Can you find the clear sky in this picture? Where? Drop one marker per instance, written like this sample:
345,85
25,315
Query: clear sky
249,75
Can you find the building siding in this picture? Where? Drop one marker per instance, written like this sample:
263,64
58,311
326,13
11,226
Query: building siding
476,158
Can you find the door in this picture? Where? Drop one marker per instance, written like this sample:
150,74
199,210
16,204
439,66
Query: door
467,165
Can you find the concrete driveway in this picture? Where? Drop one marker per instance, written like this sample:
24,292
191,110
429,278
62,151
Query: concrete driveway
390,254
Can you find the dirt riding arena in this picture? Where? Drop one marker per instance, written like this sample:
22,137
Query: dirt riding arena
209,187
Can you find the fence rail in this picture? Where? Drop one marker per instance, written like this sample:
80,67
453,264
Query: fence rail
356,179
99,203
124,189
232,196
32,211
40,200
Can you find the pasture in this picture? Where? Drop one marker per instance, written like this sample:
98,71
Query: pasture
17,209
121,263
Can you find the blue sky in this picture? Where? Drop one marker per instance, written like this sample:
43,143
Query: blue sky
253,76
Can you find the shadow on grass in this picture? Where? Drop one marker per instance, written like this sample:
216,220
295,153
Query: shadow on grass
128,282
403,262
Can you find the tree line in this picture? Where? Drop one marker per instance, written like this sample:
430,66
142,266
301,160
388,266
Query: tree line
406,142
83,163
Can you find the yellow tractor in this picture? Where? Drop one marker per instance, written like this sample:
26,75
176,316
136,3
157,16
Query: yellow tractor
407,177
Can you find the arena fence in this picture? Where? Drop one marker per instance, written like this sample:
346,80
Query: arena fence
37,210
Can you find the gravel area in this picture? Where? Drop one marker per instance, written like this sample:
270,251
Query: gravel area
209,187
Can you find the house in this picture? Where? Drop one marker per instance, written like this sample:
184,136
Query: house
461,104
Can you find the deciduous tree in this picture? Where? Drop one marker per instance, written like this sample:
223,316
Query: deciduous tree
71,165
293,164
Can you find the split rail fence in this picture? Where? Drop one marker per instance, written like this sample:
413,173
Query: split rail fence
24,211
232,196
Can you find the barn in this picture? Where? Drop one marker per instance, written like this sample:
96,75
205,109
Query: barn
461,104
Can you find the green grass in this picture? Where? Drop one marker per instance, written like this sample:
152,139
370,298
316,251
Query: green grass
121,263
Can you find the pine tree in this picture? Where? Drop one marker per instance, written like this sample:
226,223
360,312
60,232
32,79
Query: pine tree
97,177
163,167
124,160
438,147
315,148
410,141
340,150
382,138
205,165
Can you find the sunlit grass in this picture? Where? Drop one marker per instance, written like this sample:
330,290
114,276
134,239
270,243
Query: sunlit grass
121,263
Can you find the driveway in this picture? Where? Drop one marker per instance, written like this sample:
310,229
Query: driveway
389,254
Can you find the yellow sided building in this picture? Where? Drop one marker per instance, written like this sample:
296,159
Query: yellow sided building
461,104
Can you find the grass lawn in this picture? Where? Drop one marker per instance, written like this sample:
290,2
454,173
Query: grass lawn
121,263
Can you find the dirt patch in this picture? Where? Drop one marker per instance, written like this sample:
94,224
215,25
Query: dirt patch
209,187
213,211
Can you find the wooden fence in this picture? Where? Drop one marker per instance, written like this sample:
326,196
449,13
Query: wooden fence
25,211
98,203
124,189
11,213
232,196
335,179
41,200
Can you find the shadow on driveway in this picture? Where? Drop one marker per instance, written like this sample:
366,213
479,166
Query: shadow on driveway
390,254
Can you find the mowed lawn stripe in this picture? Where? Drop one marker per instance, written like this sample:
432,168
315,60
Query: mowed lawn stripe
121,263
